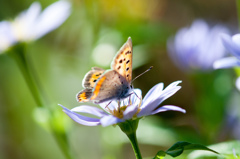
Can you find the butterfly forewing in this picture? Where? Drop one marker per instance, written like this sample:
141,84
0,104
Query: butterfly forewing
122,62
91,77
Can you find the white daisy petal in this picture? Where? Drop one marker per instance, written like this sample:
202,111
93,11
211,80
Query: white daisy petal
153,92
80,118
52,17
130,111
168,108
109,120
90,110
227,62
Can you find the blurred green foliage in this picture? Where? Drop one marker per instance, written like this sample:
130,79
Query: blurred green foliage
61,58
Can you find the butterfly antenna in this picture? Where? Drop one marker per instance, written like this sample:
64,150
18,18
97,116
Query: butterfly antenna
142,73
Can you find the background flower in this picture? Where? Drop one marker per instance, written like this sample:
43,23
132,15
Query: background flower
32,24
196,48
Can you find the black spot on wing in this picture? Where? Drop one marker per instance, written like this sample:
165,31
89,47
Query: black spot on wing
128,52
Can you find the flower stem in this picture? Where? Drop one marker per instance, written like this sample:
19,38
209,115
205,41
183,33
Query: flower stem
133,139
129,127
18,53
238,12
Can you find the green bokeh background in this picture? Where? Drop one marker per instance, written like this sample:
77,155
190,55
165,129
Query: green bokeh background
60,60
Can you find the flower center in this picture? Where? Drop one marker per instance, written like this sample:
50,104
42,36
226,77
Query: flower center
118,111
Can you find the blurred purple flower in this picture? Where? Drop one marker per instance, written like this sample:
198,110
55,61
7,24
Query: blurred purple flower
135,107
197,47
33,24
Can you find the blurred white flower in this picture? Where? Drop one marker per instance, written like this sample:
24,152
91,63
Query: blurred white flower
197,47
32,24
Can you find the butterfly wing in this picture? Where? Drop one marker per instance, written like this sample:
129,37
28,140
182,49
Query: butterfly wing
84,95
122,62
88,83
111,85
91,77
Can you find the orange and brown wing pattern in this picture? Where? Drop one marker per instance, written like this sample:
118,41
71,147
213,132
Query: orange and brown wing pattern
97,87
122,62
89,81
84,95
91,77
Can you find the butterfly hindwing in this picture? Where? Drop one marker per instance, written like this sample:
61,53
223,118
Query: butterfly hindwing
110,86
84,95
91,77
122,62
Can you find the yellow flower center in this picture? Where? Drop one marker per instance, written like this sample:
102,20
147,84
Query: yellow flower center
118,112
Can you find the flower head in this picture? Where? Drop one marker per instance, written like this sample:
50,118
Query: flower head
130,108
32,23
197,47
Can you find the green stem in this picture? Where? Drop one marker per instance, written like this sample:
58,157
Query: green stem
238,12
133,139
129,127
18,54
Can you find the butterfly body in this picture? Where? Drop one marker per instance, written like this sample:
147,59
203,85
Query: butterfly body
114,84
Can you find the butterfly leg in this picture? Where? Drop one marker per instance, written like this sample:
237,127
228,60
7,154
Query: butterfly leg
108,104
118,101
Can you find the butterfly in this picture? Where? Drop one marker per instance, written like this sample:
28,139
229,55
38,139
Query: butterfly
105,85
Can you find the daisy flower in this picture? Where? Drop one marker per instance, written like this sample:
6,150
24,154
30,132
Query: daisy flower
32,24
130,108
195,48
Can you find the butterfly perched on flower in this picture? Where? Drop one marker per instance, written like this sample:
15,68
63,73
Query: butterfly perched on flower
105,85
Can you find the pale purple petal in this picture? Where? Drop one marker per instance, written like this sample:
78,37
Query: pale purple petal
137,95
130,111
52,17
226,63
6,36
24,24
154,90
109,120
109,105
238,83
232,44
80,118
168,108
158,97
90,110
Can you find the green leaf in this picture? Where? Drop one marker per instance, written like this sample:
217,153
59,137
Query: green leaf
178,148
229,150
160,155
